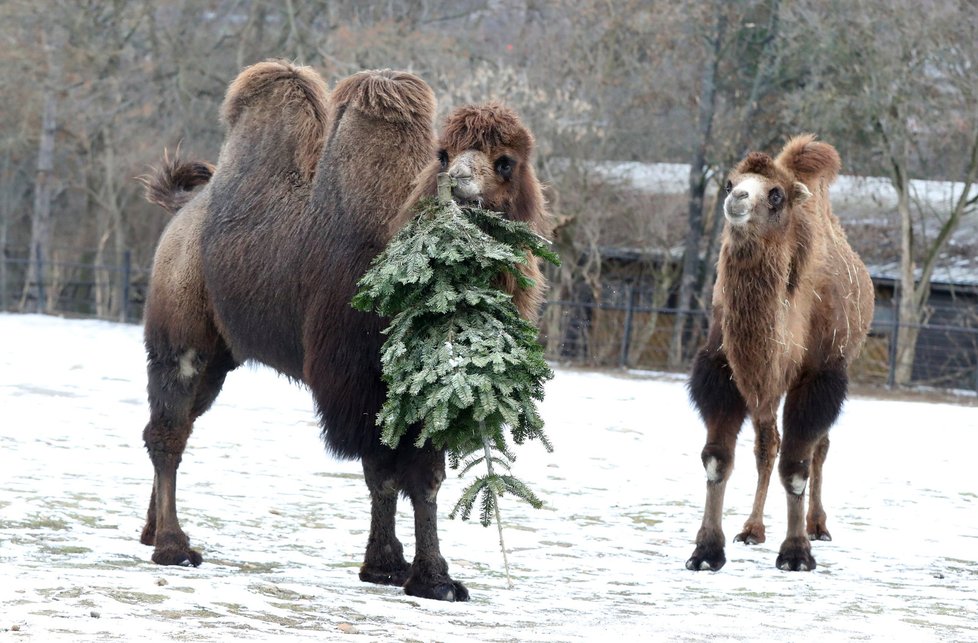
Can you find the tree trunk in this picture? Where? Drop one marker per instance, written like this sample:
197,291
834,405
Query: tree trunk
41,219
6,200
907,331
697,189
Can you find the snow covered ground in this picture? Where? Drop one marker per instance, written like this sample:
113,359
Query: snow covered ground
282,526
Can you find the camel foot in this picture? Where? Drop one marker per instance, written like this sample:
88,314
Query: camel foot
708,555
818,531
148,536
753,534
385,574
174,549
442,590
796,555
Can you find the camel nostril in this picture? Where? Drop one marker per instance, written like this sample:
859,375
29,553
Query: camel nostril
740,194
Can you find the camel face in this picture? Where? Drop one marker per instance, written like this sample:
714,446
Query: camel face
754,200
760,202
481,178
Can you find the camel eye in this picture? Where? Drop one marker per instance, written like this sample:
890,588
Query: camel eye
775,197
504,166
443,159
728,187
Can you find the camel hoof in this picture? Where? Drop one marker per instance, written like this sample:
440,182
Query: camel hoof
188,558
749,538
174,549
381,576
451,591
795,556
702,561
820,534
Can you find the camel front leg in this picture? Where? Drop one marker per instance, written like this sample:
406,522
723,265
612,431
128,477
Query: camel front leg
811,407
384,561
422,475
766,446
722,408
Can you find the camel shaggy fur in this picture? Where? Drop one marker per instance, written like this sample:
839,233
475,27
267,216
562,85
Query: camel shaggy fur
262,264
792,305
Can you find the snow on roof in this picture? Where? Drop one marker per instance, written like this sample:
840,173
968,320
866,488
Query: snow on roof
866,202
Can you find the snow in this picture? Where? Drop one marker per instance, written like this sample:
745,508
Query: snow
282,526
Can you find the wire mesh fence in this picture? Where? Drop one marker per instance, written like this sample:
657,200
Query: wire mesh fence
600,334
623,331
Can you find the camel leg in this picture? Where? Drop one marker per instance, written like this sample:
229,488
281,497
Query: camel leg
816,512
811,407
723,410
182,385
766,446
384,561
421,474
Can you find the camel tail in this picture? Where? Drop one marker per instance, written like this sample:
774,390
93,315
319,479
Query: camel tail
392,96
810,160
175,182
285,96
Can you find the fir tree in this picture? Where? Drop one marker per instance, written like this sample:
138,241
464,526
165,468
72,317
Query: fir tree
459,361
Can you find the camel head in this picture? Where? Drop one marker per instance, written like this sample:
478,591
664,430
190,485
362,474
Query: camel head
486,150
760,193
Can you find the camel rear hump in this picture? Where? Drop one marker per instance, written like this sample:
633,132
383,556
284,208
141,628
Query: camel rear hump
282,110
810,160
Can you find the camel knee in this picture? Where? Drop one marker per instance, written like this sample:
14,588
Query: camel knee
794,475
422,478
718,462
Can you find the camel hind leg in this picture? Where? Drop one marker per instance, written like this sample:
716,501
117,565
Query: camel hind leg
183,384
811,406
767,442
815,523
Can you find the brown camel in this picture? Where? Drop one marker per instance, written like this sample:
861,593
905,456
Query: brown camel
262,264
792,306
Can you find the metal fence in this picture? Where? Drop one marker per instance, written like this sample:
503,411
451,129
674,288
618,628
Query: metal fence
624,331
626,335
75,283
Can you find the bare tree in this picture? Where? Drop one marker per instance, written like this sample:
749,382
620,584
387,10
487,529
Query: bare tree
52,43
906,72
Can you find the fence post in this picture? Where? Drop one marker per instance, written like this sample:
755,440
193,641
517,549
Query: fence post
627,333
124,286
41,303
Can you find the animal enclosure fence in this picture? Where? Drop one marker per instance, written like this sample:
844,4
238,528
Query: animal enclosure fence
623,330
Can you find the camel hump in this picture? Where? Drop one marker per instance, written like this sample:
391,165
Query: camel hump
275,84
173,184
810,159
283,96
388,95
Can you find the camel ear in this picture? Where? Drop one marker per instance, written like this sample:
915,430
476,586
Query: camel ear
802,193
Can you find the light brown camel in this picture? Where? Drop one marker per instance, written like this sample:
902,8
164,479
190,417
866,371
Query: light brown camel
792,306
